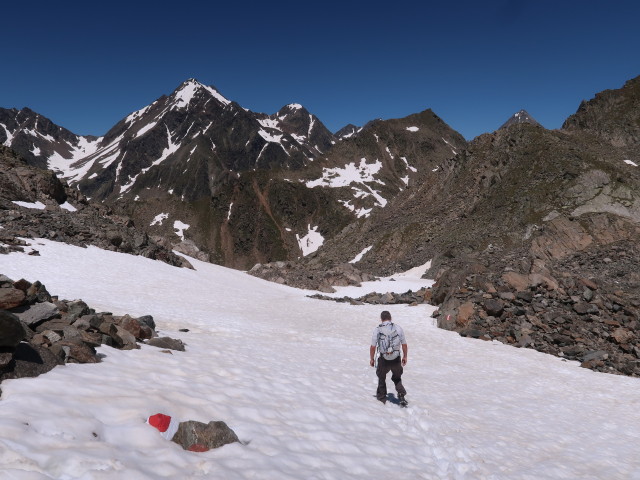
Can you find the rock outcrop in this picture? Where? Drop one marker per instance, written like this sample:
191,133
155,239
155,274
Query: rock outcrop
38,331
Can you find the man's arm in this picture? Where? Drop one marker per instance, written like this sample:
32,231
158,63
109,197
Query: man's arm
372,352
404,353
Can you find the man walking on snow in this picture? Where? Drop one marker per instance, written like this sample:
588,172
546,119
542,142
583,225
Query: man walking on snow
388,338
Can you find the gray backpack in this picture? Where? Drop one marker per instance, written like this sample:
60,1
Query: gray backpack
388,341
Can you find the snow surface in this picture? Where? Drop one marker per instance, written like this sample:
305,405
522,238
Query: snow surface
180,227
34,205
630,162
311,242
9,135
290,375
145,129
158,219
359,256
342,177
413,129
354,176
69,207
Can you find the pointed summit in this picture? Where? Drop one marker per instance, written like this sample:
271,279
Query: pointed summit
520,117
190,88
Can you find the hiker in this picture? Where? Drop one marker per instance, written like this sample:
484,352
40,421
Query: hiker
387,339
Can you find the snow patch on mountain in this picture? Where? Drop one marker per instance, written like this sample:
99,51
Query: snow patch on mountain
137,114
9,135
406,162
629,162
32,205
345,176
270,137
311,242
67,206
453,149
359,256
179,228
145,129
158,219
412,129
190,88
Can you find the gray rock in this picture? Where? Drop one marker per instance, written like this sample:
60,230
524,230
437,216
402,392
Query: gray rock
587,295
36,313
52,336
31,361
148,320
494,307
5,357
597,355
167,342
55,324
12,331
78,308
199,437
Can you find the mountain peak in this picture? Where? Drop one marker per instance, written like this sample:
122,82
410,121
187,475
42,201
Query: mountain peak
521,116
190,87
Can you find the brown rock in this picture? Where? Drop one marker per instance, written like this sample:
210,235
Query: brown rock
11,298
137,329
622,335
516,281
464,313
537,279
588,283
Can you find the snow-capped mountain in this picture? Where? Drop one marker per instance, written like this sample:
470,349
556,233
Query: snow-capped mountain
198,133
246,187
521,116
43,143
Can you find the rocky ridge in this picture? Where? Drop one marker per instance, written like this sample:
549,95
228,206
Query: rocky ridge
61,213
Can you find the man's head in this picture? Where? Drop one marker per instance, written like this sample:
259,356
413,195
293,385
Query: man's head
384,316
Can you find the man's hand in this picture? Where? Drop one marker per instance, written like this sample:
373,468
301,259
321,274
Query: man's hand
372,362
404,361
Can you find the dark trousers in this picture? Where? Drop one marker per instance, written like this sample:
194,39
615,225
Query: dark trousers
385,366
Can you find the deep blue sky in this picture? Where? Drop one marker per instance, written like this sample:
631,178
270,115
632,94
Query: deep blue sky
86,65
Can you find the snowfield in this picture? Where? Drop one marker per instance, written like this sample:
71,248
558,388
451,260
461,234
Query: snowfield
290,375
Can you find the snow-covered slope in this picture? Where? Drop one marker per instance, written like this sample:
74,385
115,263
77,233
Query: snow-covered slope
290,375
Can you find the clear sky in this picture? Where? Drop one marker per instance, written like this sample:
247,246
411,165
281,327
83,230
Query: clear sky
86,65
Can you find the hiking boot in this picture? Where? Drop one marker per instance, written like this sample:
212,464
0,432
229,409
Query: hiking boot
402,400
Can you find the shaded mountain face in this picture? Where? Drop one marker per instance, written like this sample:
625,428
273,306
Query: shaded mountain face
520,117
347,131
612,115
